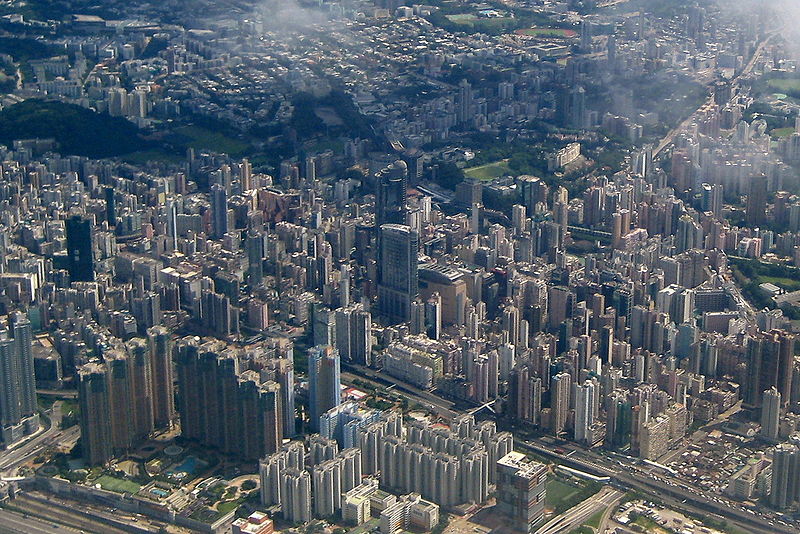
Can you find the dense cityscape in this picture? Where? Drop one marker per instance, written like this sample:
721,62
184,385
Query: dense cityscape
361,267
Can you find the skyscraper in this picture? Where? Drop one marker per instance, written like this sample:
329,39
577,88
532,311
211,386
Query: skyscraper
770,413
559,401
219,211
141,382
23,340
160,345
296,495
398,278
390,198
324,381
785,474
756,206
116,402
281,370
354,335
525,394
111,211
585,395
769,363
260,416
433,316
18,416
521,490
80,249
223,406
93,397
255,258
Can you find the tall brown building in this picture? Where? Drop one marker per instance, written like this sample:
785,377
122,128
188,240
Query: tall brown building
770,357
160,354
125,397
756,207
222,406
93,396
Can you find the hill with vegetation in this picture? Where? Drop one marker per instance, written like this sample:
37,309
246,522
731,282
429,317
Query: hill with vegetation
77,130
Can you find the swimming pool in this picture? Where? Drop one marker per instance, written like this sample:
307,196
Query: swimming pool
189,465
159,492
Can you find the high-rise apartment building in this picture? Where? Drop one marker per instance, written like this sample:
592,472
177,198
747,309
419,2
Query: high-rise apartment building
162,386
222,405
94,390
770,357
585,408
327,485
770,413
560,391
785,489
18,415
354,335
296,495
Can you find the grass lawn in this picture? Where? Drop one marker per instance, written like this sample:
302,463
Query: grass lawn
321,145
594,521
69,405
561,494
782,132
784,86
226,506
788,284
462,17
145,156
204,139
547,32
490,171
117,485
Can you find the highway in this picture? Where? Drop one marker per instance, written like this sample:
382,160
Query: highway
11,460
14,523
442,407
575,516
624,471
662,487
67,514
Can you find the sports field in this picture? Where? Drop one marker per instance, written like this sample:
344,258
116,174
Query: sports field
462,17
547,32
490,171
117,485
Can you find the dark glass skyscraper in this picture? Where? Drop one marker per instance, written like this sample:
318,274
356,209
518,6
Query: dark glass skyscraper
398,279
80,247
219,211
324,381
390,198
